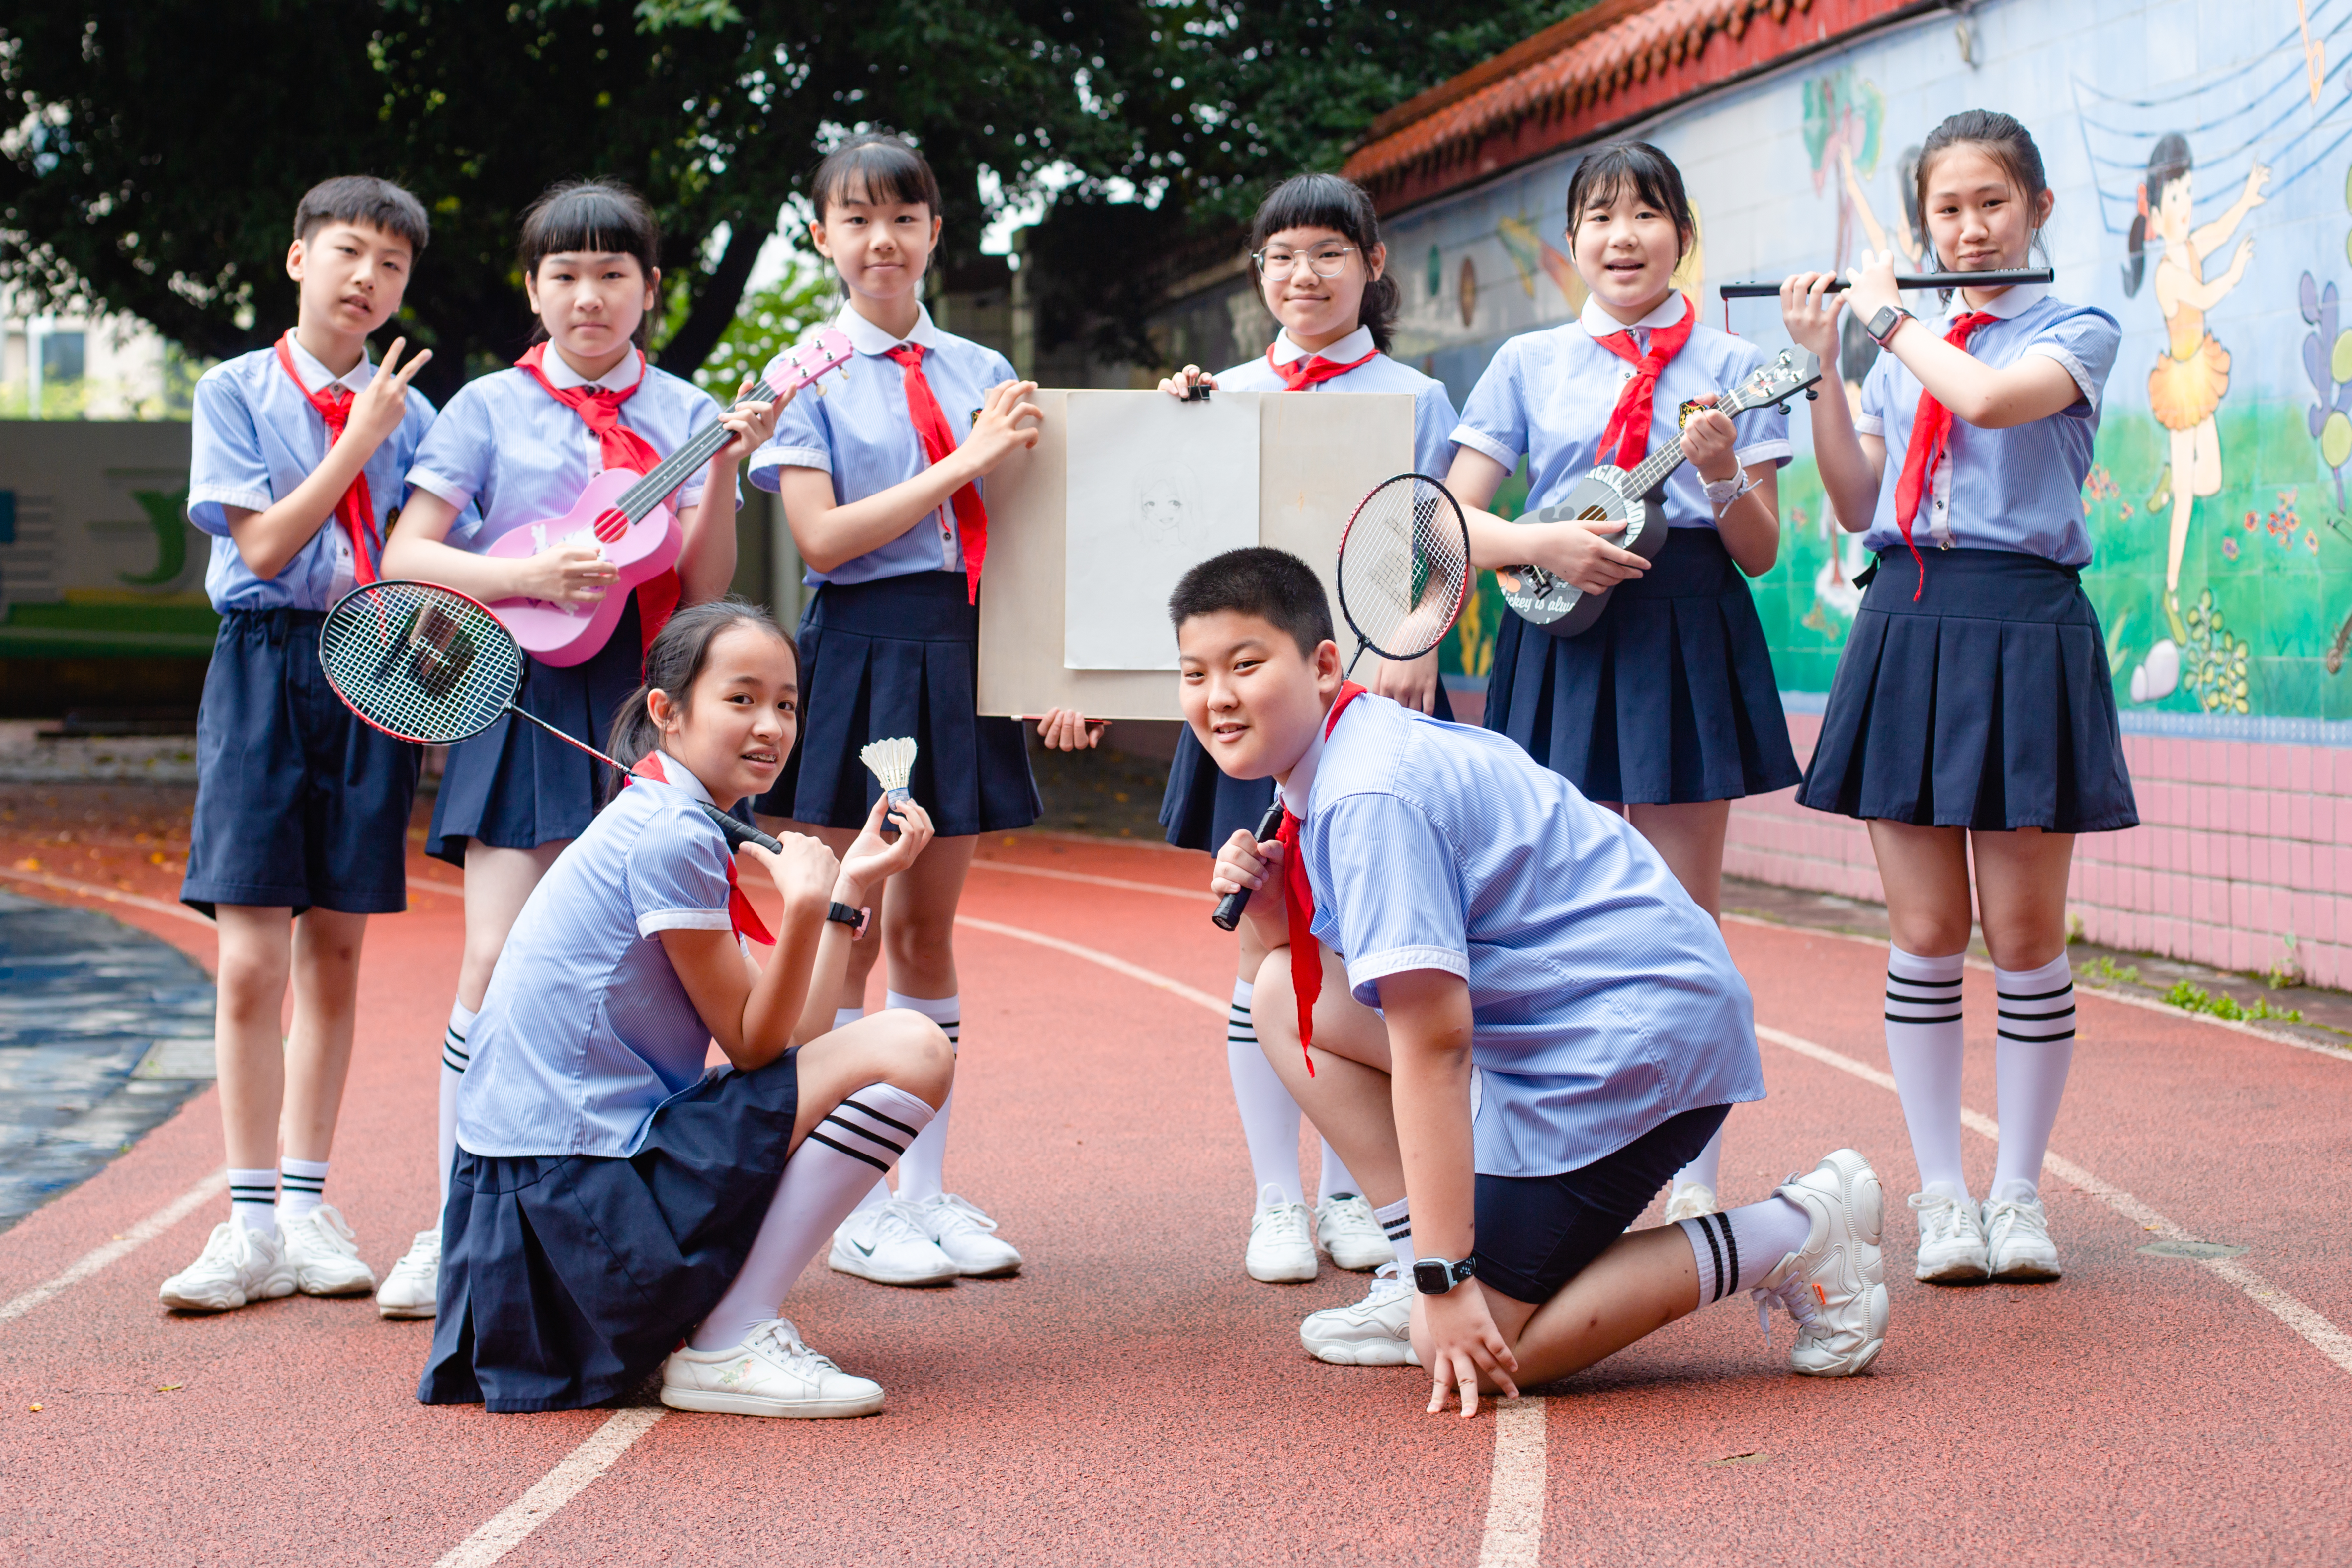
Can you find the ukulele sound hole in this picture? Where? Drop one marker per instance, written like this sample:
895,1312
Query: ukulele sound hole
612,527
1592,515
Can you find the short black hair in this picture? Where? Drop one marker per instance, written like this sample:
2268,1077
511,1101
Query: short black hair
1272,584
876,166
595,217
362,199
1606,171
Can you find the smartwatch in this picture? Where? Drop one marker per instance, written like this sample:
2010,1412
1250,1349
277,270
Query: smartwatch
1882,326
1435,1276
841,913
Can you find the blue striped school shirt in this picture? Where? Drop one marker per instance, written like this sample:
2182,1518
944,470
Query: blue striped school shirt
1603,999
1433,411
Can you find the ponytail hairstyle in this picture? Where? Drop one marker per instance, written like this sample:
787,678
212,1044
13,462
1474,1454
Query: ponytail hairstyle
594,216
673,664
1329,202
2168,161
1998,136
1608,169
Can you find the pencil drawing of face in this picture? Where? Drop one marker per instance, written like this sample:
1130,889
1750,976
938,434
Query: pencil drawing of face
1162,504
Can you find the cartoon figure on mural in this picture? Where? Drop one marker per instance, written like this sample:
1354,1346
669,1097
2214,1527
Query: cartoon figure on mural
2192,375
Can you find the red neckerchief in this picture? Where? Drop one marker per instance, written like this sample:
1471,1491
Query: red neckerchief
931,426
599,409
1306,959
745,919
1628,432
1312,370
1931,431
356,510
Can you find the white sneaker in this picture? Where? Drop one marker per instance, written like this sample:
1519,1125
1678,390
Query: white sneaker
325,1255
237,1265
772,1373
1951,1239
1690,1200
413,1289
887,1244
1279,1249
1346,1228
1374,1332
1836,1287
957,1228
2017,1244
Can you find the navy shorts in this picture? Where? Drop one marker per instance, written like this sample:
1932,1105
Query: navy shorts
299,804
1537,1233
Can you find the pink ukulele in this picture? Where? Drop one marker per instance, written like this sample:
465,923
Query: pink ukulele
628,515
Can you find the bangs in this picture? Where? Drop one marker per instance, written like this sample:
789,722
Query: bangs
1316,202
1607,172
879,171
590,218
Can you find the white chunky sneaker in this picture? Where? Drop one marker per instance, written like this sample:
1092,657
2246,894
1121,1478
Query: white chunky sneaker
325,1255
887,1244
1346,1228
1374,1332
1951,1237
413,1289
772,1373
2017,1239
957,1228
1836,1286
1279,1249
237,1265
1690,1200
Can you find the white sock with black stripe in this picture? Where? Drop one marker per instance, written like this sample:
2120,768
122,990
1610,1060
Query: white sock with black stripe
1269,1115
1923,1048
1396,1219
1740,1247
302,1187
2036,1049
455,1060
923,1173
253,1199
826,1178
1337,1180
843,1016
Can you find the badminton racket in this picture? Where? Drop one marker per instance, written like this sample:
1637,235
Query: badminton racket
427,664
1404,572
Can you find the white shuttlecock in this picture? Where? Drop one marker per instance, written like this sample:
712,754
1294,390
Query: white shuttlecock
891,762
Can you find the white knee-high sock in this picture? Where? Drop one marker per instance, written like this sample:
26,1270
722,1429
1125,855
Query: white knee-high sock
1396,1219
923,1173
1740,1247
1269,1115
1336,1178
2037,1047
1705,1171
822,1181
1923,1046
843,1017
455,1060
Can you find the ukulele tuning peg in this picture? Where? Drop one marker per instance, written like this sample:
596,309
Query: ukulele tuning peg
1812,395
1784,410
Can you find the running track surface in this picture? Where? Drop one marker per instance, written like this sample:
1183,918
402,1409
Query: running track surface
1133,1398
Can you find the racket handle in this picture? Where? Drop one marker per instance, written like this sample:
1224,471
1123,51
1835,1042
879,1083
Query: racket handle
741,832
1229,908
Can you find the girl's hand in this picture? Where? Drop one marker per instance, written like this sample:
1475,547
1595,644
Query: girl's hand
1412,682
1870,288
751,425
1007,422
566,574
873,860
1066,729
1708,441
1463,1344
1810,314
383,404
803,873
1181,383
1579,554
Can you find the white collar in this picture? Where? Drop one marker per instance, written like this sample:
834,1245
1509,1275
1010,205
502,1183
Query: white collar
316,377
868,339
679,776
1600,324
1346,352
1298,789
2010,302
621,377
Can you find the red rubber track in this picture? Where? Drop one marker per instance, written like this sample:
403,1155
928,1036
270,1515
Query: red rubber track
1134,1398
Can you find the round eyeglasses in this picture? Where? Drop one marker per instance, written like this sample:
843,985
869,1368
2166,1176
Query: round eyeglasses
1325,261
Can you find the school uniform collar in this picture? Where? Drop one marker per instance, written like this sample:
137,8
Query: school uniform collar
1298,789
316,377
868,339
1598,323
2010,303
673,773
620,378
1346,352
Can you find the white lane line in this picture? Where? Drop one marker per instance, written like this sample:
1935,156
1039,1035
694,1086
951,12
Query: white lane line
110,894
1216,1005
1515,1493
122,1246
1126,883
507,1529
2317,1332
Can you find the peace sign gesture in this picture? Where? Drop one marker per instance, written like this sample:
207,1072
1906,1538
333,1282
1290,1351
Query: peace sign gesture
381,405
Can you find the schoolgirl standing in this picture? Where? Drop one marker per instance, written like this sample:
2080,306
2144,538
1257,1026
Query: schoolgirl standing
881,481
1315,242
609,1196
517,448
1972,712
1667,705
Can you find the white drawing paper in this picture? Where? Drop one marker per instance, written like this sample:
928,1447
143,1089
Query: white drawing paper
1155,488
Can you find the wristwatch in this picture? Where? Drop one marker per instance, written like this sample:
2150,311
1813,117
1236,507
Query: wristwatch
1882,326
1435,1276
841,913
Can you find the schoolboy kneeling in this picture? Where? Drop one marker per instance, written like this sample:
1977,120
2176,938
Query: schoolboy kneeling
1528,1026
609,1196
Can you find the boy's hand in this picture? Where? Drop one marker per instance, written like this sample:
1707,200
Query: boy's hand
803,873
1463,1344
873,860
1007,422
566,574
752,425
383,404
1246,864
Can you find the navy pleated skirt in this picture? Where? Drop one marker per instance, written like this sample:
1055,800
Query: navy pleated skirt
566,1279
901,656
516,787
1985,704
1201,807
1668,697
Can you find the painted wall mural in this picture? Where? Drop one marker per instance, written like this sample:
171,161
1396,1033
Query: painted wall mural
2201,154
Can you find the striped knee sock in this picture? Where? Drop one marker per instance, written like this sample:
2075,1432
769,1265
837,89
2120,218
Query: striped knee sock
1740,1247
1338,1181
253,1199
1923,1046
1269,1115
2037,1048
1396,1219
302,1187
922,1173
455,1060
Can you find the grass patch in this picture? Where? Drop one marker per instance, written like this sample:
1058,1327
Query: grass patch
2104,971
2195,999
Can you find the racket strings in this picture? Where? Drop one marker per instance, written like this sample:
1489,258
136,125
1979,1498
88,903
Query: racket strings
1404,567
419,662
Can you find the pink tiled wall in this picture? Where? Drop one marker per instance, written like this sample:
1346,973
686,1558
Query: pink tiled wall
2239,846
